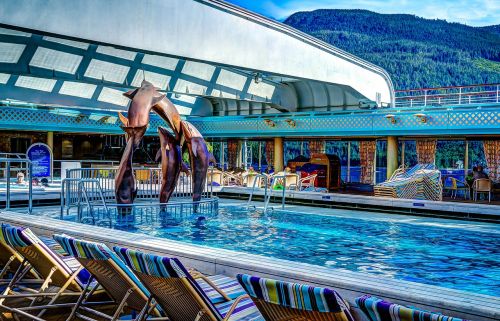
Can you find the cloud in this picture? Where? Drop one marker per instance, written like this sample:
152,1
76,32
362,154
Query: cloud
471,12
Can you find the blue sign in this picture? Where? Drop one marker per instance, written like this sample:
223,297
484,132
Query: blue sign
41,160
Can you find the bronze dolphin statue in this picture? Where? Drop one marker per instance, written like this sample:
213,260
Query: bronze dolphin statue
167,111
198,155
171,163
125,188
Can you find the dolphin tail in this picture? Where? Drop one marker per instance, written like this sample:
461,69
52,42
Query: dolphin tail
123,119
158,155
185,169
211,158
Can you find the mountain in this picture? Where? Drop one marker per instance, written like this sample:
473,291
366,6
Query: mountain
417,52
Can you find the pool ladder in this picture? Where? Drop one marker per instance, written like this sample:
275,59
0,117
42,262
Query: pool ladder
267,191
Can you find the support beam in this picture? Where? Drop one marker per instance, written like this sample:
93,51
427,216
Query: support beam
278,154
50,140
392,155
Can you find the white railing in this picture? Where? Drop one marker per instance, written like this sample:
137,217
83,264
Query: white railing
445,96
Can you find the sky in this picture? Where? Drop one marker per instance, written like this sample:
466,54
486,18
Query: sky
470,12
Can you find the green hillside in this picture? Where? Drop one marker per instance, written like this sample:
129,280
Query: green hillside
416,52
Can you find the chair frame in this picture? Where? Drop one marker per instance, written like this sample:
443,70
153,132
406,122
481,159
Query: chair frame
474,188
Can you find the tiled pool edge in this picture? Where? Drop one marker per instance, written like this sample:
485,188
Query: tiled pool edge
408,206
218,261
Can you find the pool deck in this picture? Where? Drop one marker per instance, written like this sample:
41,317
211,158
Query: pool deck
219,261
478,211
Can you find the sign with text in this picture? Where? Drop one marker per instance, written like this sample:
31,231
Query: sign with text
40,156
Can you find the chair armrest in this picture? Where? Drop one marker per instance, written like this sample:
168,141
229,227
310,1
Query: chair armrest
198,275
234,305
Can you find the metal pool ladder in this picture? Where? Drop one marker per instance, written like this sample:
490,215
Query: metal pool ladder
267,195
268,191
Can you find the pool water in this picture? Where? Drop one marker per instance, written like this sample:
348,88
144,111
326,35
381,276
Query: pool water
447,253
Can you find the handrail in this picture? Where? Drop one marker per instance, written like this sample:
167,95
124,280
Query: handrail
446,87
266,186
30,181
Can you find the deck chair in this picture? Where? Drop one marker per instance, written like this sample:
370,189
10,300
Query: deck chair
112,274
178,293
62,277
281,301
376,309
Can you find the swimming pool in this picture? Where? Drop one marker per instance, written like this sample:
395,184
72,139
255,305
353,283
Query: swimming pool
453,254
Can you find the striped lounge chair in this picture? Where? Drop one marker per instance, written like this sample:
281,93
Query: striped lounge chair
112,274
280,301
179,294
376,309
62,276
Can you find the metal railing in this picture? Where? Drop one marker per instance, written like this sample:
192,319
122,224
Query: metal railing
7,174
257,178
126,216
454,95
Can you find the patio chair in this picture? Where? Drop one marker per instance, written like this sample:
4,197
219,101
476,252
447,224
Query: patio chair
178,293
457,185
307,181
280,301
252,179
482,186
113,275
376,309
215,177
62,276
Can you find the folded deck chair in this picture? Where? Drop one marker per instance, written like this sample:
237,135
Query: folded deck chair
112,274
178,293
280,301
376,309
62,277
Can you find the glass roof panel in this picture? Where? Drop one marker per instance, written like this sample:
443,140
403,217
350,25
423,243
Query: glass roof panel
261,89
55,60
10,52
72,43
184,86
12,32
4,78
158,80
99,69
198,70
160,61
183,110
110,51
77,89
113,96
231,79
42,84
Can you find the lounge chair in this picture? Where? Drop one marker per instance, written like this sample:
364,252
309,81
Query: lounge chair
65,274
423,182
376,309
178,293
280,301
112,274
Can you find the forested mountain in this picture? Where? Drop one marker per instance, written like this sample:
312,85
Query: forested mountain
416,52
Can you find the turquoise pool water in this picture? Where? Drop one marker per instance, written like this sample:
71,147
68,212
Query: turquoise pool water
448,253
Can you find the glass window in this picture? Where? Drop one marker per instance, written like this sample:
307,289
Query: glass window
293,149
450,155
355,163
341,150
410,153
476,154
381,154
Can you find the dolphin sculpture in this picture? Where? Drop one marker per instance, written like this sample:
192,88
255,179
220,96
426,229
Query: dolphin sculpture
167,111
171,163
137,120
125,188
198,156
